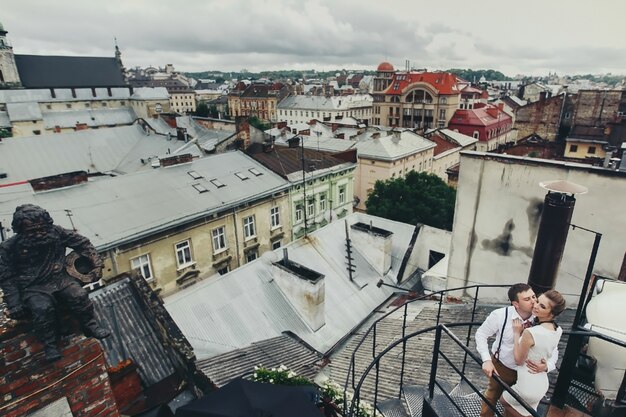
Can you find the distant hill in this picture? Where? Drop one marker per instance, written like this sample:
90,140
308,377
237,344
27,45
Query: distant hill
474,75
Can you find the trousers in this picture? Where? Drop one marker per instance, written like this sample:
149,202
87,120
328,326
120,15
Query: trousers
494,389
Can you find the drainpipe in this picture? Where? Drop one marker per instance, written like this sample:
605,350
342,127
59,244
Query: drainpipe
236,237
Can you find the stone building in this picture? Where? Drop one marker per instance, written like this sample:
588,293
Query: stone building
257,100
415,99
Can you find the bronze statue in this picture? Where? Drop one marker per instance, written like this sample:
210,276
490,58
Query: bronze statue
33,276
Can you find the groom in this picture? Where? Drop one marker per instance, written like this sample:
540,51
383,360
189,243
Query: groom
500,359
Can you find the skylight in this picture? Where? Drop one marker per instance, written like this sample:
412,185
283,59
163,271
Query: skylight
194,175
217,183
255,171
200,188
241,176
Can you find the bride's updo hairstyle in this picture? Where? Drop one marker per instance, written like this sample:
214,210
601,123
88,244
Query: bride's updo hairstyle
558,302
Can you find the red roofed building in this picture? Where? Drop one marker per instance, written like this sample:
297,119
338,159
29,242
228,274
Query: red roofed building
487,123
414,99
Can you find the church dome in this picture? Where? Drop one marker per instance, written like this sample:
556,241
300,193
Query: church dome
385,67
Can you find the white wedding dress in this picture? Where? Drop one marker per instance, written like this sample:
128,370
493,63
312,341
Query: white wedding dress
532,387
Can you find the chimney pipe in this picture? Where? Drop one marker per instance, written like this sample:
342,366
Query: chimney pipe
554,226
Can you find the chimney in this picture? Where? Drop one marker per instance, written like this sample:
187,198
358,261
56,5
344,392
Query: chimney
130,90
396,136
176,160
304,288
294,142
556,215
374,244
58,181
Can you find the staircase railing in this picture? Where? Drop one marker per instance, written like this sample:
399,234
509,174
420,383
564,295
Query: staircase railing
372,330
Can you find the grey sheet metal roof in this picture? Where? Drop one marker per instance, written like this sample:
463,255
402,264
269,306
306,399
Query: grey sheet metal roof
207,138
118,150
41,71
4,119
90,117
132,336
390,148
24,112
459,138
81,94
246,305
114,211
270,353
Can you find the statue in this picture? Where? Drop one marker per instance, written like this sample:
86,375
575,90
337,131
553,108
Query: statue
33,276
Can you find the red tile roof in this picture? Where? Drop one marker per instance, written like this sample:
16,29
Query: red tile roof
443,82
442,144
385,66
482,116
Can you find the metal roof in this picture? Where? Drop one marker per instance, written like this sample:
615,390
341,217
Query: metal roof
89,117
389,147
325,103
245,306
41,71
24,112
132,336
459,138
119,150
114,211
81,94
4,119
270,353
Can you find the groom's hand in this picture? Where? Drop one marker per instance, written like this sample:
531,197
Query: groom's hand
489,369
536,367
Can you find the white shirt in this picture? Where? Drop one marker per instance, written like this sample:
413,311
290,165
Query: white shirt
493,326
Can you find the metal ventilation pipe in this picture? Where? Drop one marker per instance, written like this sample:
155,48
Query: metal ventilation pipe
555,221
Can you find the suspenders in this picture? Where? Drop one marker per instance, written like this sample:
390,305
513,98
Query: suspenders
506,316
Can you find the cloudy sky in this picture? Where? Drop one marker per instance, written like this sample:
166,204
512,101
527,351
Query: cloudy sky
515,37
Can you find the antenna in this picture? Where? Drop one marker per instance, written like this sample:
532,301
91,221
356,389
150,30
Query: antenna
351,268
69,215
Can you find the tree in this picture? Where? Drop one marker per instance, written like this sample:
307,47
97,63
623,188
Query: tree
417,198
202,110
258,123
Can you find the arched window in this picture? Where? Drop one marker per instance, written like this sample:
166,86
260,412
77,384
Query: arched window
443,100
419,96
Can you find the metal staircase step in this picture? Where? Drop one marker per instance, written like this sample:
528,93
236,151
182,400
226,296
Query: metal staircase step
462,389
414,399
392,407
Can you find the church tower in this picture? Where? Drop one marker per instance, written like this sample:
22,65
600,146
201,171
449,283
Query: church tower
9,76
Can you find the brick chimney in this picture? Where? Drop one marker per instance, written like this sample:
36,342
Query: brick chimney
58,181
77,385
304,288
374,244
176,160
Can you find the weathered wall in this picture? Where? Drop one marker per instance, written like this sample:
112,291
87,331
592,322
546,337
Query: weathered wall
28,383
541,117
497,215
597,107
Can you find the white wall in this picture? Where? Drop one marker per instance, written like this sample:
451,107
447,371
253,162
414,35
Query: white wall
498,196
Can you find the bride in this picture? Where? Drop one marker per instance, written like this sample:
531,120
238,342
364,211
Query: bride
534,343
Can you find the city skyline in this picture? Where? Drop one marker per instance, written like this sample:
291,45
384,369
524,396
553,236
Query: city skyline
533,39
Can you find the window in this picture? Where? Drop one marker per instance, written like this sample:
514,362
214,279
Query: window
310,208
248,227
276,245
49,106
342,194
241,176
68,105
573,148
194,175
200,188
183,254
298,213
87,105
591,150
223,270
255,172
476,135
219,239
251,256
142,264
217,183
442,114
275,217
322,202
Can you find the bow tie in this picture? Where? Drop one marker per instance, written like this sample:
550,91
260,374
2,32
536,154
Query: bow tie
527,323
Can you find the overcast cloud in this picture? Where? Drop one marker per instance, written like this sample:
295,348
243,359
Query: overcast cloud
515,37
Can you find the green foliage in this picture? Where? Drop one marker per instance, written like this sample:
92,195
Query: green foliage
417,198
474,75
279,376
202,110
258,123
5,133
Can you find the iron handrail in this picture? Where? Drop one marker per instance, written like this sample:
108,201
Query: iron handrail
372,329
436,352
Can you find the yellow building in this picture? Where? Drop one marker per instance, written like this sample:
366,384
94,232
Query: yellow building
256,100
45,111
179,223
584,149
415,99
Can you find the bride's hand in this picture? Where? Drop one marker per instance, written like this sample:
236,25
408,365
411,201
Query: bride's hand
518,326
